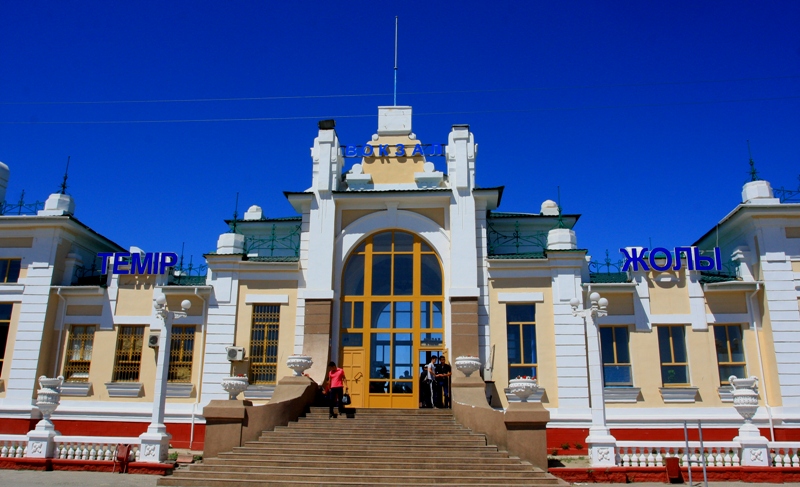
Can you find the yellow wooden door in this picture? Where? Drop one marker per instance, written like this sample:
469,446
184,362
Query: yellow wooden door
353,365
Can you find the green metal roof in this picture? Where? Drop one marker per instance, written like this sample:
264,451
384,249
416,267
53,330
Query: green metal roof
275,258
711,278
608,277
528,255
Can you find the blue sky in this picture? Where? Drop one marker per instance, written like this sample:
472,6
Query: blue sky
639,111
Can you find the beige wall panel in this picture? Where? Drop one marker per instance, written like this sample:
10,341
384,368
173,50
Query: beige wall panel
435,214
720,303
349,216
84,310
9,355
796,265
545,335
135,296
244,319
16,243
619,303
387,170
668,297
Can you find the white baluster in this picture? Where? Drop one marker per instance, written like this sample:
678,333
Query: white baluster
736,458
20,451
651,459
727,459
137,453
626,458
710,458
719,461
777,461
71,452
795,459
92,453
25,451
659,458
108,453
4,451
642,458
12,451
684,459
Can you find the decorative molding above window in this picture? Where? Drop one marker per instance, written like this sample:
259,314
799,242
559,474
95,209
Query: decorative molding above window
80,389
725,393
124,389
678,394
622,394
535,397
262,392
520,297
179,389
266,299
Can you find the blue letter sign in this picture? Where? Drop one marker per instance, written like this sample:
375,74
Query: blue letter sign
640,258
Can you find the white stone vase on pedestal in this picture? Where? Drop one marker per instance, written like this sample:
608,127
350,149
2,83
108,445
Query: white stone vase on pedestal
755,451
299,363
523,388
234,385
40,439
468,364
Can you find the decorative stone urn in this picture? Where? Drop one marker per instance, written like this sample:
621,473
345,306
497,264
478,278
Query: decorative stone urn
234,385
299,363
745,397
47,400
468,364
523,388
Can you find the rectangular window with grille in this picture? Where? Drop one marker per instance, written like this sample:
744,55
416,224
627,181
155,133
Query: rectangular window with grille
9,270
79,353
730,352
128,356
181,354
264,344
672,351
616,356
5,325
521,335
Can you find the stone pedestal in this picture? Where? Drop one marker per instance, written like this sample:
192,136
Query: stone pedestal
41,443
224,421
602,449
154,446
526,431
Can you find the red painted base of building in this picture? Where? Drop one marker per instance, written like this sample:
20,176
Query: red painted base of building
181,432
572,441
623,475
49,464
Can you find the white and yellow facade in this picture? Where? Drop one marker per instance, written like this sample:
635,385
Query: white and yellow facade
389,261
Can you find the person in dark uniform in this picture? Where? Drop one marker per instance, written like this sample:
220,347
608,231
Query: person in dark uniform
436,391
443,373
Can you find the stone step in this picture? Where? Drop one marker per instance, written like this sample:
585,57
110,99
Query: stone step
423,476
278,460
368,482
390,453
416,440
335,469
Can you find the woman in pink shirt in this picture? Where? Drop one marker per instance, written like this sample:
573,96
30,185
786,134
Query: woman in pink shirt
337,381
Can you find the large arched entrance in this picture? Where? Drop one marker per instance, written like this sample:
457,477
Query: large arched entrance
392,318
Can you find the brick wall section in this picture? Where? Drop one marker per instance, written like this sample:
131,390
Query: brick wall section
464,326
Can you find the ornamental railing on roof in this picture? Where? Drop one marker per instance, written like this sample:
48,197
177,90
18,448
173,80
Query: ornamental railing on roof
190,275
89,276
283,241
607,271
504,239
20,207
788,195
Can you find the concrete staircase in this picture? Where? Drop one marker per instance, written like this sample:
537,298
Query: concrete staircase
411,447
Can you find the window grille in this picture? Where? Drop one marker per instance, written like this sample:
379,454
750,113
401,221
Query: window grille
79,353
730,352
181,353
264,344
128,357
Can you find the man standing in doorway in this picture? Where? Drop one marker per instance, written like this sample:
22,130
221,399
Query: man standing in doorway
443,373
